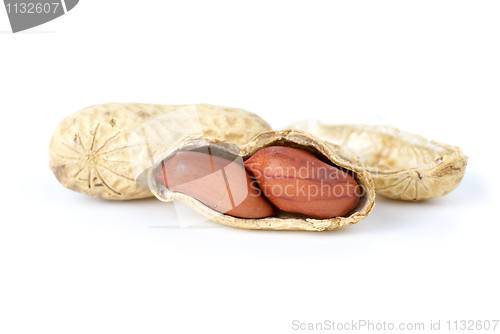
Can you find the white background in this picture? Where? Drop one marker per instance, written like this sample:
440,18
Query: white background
73,264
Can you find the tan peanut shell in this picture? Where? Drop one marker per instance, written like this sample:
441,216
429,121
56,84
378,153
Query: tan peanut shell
89,150
283,220
403,166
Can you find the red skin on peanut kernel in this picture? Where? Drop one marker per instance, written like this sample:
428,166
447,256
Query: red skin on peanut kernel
200,176
296,181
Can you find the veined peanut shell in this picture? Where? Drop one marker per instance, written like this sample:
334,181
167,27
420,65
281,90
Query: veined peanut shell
89,151
403,166
283,220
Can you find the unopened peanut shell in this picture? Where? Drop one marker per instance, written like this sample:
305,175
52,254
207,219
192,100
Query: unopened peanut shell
89,150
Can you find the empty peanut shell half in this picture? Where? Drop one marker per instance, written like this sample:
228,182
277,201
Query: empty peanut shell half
403,166
90,149
210,174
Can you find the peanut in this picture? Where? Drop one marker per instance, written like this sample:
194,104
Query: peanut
296,181
90,150
221,184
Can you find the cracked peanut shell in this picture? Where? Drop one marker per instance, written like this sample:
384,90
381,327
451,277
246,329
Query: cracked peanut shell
89,150
283,220
404,166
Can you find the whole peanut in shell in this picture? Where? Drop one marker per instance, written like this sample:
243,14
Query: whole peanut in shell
296,181
90,153
219,183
